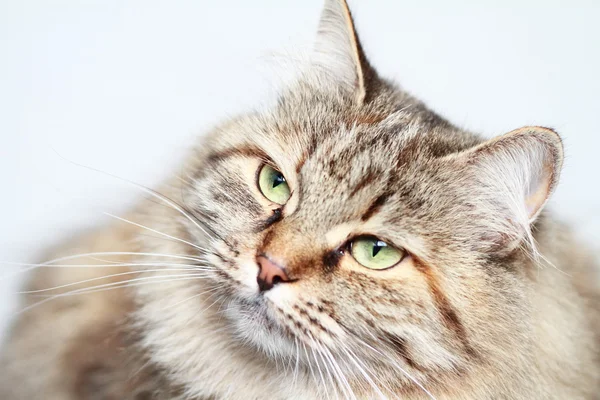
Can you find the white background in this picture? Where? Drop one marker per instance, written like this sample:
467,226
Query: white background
126,86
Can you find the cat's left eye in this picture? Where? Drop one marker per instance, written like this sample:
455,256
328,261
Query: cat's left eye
373,253
273,185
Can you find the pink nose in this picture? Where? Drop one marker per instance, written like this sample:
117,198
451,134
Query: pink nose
269,273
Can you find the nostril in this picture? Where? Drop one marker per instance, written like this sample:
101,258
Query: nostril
276,280
263,285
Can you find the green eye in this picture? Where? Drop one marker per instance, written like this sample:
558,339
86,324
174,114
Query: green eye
273,185
373,253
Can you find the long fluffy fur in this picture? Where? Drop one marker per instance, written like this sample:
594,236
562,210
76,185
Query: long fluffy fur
496,299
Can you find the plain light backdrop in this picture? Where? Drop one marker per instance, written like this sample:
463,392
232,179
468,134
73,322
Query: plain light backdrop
127,86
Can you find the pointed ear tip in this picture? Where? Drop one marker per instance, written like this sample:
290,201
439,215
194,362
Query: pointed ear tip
548,135
554,151
339,2
337,6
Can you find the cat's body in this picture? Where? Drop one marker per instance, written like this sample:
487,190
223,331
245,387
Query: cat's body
471,310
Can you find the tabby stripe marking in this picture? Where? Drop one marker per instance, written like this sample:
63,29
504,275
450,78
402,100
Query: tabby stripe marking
242,151
375,206
449,315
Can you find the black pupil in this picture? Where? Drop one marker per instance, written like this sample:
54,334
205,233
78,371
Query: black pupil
377,247
278,180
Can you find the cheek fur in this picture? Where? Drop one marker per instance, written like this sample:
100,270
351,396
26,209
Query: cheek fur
304,314
245,274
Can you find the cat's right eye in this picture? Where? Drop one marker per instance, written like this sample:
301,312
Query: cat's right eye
272,185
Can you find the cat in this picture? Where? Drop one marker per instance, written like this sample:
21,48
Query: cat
348,243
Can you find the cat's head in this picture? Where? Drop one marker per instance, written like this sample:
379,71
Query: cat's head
352,221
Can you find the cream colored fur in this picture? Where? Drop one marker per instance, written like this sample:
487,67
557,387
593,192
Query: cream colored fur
495,300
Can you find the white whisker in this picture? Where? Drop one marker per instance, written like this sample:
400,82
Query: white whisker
339,373
149,191
295,371
102,253
116,265
409,376
107,277
312,372
155,231
359,365
312,349
332,377
190,298
109,286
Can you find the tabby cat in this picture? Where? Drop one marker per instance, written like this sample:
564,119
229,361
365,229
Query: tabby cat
348,243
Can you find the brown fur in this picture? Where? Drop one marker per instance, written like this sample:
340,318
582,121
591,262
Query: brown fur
495,300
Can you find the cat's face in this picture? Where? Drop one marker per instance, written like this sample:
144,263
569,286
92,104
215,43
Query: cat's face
348,188
358,224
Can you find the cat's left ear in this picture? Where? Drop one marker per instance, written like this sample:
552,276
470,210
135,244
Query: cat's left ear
338,55
511,177
524,163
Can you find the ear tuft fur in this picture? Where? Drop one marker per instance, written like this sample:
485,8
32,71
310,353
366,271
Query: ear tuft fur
515,175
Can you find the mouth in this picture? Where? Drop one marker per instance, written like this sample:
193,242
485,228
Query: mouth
253,312
253,324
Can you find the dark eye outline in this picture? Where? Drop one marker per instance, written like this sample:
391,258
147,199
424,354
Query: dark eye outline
350,242
257,182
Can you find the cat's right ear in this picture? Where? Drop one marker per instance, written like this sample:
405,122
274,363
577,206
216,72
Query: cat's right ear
338,58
